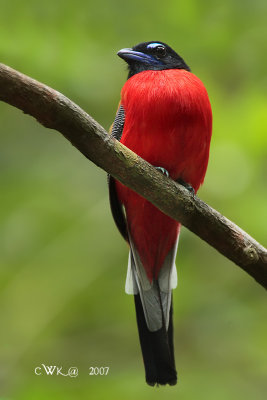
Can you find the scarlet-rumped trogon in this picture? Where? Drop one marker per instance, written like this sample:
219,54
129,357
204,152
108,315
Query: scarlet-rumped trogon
165,117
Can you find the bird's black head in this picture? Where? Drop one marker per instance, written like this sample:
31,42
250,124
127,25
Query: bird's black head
151,56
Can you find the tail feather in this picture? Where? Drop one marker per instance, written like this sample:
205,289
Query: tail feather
153,304
157,349
156,295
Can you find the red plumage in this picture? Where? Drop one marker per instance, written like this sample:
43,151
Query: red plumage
168,122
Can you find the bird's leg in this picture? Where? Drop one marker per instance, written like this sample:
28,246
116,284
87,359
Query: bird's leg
179,180
186,185
163,171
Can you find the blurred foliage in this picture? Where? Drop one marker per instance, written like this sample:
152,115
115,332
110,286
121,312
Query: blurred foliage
63,264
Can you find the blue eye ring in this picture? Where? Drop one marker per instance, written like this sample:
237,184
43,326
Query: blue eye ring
153,45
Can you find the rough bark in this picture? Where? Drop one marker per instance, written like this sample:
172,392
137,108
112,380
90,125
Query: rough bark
55,111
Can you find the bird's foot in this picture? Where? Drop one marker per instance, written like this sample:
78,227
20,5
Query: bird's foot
187,186
163,171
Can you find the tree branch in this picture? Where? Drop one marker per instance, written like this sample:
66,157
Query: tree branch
55,111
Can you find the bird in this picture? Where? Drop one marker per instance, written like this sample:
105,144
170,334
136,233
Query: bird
165,117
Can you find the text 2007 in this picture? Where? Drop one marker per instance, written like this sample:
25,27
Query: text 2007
98,370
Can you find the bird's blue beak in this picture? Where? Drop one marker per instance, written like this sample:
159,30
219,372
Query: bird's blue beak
131,55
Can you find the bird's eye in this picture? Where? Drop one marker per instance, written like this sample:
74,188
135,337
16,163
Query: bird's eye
160,51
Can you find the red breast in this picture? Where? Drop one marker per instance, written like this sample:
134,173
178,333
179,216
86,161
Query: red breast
168,122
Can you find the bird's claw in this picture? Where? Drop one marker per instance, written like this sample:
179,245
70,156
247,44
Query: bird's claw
187,186
163,171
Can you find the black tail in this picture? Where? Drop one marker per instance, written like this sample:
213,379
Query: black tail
157,348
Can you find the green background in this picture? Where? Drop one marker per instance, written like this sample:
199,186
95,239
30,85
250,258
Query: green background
63,263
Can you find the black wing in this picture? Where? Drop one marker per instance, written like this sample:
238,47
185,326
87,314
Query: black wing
118,124
115,205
